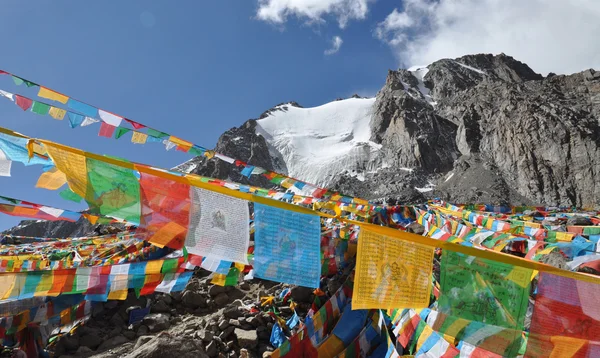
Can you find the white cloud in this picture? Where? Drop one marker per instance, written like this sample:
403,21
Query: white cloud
277,11
549,35
336,43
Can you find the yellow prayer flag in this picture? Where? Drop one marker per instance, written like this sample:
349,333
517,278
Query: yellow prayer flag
180,142
391,273
45,284
139,137
93,219
154,266
51,180
57,113
55,96
74,166
7,282
218,279
117,295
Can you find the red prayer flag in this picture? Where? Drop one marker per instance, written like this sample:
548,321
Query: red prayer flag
4,73
23,102
106,130
134,124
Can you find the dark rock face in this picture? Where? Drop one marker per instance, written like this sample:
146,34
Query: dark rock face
480,128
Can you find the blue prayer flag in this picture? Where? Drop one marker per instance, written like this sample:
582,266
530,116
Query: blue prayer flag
287,246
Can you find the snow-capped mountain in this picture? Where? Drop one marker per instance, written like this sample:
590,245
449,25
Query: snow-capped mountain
317,144
479,128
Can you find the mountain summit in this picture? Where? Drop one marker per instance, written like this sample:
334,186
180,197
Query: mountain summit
479,128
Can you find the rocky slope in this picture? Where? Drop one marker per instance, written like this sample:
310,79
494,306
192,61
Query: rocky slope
479,128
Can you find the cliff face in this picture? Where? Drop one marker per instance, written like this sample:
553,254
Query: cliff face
479,128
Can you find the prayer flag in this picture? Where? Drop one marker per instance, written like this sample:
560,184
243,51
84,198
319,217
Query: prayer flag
57,113
106,130
55,96
139,138
23,102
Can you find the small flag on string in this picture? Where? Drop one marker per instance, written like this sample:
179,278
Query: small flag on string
19,81
120,131
82,108
57,113
156,134
247,171
110,118
88,120
7,95
40,108
106,130
55,96
74,119
23,102
134,124
5,165
139,138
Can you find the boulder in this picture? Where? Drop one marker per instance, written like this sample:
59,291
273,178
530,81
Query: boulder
302,294
193,299
157,321
90,341
246,339
215,290
113,342
221,299
161,307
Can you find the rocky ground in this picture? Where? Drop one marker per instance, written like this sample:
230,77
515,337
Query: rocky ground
204,320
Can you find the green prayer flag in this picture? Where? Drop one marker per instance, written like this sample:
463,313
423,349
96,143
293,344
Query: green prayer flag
113,191
232,276
40,108
483,290
68,194
169,266
19,81
196,151
156,133
120,131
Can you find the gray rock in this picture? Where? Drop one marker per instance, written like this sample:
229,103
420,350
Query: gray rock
232,312
415,228
161,307
263,333
206,336
246,339
129,334
212,350
235,322
90,341
157,321
215,290
223,324
579,220
302,294
84,351
221,299
193,299
112,342
226,332
142,330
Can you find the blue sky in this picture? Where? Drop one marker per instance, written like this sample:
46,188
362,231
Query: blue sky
197,68
193,70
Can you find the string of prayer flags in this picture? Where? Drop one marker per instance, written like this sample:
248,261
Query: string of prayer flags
114,120
391,273
218,226
287,246
483,290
